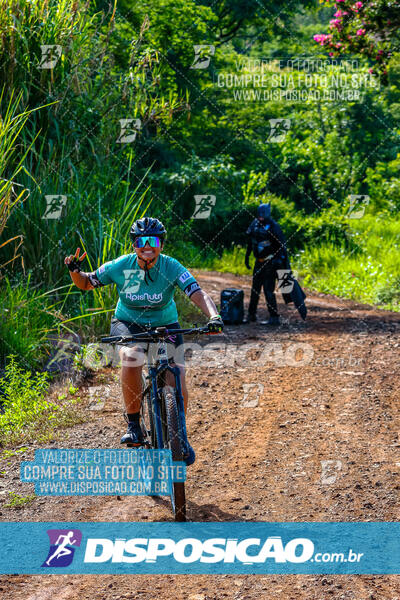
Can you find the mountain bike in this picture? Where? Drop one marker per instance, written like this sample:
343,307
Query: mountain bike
162,415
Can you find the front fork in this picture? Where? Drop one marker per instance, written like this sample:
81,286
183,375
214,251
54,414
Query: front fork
181,411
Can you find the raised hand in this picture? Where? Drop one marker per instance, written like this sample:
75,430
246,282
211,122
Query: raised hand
73,261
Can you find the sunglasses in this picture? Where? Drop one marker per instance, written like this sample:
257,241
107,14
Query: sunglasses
153,241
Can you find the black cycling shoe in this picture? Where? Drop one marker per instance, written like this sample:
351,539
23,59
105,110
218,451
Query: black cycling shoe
134,435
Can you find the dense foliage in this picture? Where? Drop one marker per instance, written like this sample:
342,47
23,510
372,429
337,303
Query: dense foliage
140,107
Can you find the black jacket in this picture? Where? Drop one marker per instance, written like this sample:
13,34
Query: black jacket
266,239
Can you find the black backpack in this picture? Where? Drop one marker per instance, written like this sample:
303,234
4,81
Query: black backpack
232,306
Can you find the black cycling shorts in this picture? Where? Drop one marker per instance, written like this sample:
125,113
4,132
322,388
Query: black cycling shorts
174,341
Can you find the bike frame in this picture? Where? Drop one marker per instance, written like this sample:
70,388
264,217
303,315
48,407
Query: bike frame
155,371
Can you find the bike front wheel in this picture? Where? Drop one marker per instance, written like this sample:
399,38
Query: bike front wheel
178,498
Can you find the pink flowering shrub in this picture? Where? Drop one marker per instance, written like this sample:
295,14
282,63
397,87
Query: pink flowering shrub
366,27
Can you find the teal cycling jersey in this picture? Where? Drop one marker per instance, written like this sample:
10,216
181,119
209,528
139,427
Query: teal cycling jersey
141,300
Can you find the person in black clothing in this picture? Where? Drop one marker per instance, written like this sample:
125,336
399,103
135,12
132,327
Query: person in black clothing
267,242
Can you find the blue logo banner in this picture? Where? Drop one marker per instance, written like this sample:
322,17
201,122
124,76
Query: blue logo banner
196,548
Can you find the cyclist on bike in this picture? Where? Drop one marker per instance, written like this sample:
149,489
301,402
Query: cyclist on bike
145,281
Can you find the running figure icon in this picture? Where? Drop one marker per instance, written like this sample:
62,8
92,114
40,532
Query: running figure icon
62,549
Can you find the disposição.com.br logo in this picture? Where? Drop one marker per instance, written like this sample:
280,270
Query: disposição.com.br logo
63,543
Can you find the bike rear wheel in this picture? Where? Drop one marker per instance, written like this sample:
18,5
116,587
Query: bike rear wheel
178,498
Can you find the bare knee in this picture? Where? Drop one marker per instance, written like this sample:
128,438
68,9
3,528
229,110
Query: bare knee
132,357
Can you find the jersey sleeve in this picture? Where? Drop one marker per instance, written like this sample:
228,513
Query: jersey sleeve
104,274
185,280
94,280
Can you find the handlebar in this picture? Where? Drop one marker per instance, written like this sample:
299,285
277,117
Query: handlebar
153,335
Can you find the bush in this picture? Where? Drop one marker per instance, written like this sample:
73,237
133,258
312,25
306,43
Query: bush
389,292
329,226
23,397
25,414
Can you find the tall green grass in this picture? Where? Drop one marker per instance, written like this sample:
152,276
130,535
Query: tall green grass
13,120
28,316
68,148
370,273
75,152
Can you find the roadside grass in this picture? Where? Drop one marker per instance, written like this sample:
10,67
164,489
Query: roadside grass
13,121
230,261
9,453
26,415
370,274
28,315
188,313
17,501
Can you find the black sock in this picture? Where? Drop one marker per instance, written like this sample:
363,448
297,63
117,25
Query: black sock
133,417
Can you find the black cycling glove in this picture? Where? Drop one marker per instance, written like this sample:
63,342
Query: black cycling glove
215,324
74,266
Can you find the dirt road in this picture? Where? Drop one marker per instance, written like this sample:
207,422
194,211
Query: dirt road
319,443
